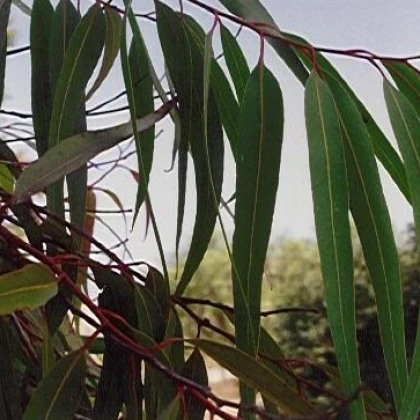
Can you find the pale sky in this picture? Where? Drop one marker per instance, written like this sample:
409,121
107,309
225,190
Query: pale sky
384,27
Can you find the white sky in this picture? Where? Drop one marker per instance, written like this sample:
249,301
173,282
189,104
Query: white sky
385,27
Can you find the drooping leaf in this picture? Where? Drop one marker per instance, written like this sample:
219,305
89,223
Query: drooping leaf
406,125
254,11
331,207
258,165
225,99
195,369
236,62
256,375
120,381
371,216
41,95
185,65
139,85
384,150
257,174
27,288
175,351
113,26
80,59
75,151
63,384
159,288
407,79
4,21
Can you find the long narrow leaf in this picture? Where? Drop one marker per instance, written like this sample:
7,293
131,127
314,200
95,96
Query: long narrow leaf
80,60
373,223
257,175
142,103
75,151
236,62
257,376
113,25
64,383
42,14
331,206
185,65
406,125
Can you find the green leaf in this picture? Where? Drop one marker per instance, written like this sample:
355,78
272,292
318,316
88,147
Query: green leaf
236,62
140,94
381,145
7,182
331,207
171,411
258,165
407,79
256,375
254,11
257,174
10,380
371,216
81,57
195,369
27,288
175,351
159,288
59,393
75,151
149,315
406,125
4,20
41,95
225,99
185,62
113,24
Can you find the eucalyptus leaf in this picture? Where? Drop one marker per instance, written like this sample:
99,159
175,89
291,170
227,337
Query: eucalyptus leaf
27,288
75,151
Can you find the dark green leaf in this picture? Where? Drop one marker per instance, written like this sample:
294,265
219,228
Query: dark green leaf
171,411
258,165
75,151
236,62
331,207
256,375
225,99
406,125
41,20
407,79
29,287
159,288
257,174
140,95
59,393
113,25
175,351
195,369
80,59
184,59
373,223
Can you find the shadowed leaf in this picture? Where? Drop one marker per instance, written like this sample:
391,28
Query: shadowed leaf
59,393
